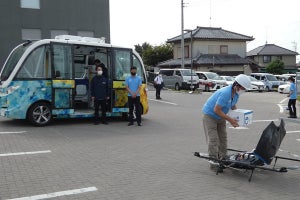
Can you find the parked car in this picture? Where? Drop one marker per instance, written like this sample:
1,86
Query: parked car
256,84
179,78
211,81
285,88
228,79
270,81
282,78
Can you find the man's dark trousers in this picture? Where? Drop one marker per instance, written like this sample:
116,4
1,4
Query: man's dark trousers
134,102
102,103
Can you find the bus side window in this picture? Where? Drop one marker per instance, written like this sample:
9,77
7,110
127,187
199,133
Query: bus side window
35,66
122,64
138,65
62,61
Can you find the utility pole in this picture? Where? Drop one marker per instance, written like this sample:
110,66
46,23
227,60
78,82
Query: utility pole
182,36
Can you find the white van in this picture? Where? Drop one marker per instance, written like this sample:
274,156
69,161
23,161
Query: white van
179,78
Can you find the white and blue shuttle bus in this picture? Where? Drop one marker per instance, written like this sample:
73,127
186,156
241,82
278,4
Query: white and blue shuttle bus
50,78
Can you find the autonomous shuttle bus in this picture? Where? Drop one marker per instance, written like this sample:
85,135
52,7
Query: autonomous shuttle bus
50,78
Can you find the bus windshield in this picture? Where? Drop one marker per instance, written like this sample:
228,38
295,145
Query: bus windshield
12,61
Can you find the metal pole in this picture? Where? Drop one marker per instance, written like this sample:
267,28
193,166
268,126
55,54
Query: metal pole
192,86
182,37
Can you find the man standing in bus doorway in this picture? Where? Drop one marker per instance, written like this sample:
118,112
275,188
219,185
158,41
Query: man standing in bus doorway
133,85
293,97
158,84
215,116
100,92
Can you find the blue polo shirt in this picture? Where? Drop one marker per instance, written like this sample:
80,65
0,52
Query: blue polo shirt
293,88
221,97
133,82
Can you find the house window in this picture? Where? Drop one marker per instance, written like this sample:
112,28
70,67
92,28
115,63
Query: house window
223,49
31,34
32,4
279,57
58,32
186,52
267,59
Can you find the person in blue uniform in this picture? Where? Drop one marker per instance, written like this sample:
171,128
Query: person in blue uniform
293,97
100,93
133,85
215,116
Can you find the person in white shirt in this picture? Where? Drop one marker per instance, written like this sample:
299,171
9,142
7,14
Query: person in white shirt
158,84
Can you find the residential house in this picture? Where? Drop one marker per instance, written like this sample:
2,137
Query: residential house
211,49
265,54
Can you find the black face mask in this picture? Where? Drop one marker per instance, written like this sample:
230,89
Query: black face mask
133,73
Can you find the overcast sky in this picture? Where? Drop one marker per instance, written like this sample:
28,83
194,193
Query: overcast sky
154,21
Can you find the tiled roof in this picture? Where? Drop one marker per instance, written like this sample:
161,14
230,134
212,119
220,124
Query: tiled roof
209,59
210,33
270,49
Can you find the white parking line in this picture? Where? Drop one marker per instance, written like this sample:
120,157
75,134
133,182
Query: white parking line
16,132
266,120
24,153
281,109
283,100
164,102
298,140
293,132
58,194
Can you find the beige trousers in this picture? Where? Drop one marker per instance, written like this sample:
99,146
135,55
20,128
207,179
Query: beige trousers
216,136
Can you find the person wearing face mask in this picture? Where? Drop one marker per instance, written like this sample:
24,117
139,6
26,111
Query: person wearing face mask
293,97
100,93
215,116
104,69
133,85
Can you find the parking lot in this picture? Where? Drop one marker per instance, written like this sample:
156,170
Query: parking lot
74,159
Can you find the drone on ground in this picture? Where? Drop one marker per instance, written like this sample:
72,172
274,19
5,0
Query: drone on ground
259,158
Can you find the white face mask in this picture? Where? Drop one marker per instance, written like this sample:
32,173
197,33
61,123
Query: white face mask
100,72
240,92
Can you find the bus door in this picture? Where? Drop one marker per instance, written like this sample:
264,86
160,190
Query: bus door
63,83
122,61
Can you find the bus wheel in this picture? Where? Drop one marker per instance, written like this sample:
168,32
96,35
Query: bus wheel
39,114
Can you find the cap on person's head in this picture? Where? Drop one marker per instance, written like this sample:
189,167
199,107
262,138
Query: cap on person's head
133,67
244,81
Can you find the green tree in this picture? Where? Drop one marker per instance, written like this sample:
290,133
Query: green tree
275,67
141,48
152,55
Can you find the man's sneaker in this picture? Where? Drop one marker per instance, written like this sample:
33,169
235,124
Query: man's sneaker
139,124
105,122
130,123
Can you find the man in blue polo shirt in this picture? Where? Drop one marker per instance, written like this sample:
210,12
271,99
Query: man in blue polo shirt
215,116
133,85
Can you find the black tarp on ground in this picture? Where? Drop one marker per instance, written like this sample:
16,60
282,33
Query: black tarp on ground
270,141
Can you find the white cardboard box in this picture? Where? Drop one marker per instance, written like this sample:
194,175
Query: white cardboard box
243,116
